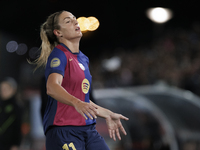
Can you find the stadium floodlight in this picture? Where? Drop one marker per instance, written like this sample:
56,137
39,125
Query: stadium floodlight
84,23
94,23
88,24
159,14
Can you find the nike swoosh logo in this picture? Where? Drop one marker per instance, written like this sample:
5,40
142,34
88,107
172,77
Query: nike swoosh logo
70,59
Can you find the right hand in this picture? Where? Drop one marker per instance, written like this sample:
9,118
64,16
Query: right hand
86,109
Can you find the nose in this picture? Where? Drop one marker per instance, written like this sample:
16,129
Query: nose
75,21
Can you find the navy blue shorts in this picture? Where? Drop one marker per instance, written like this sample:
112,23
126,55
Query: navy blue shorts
74,138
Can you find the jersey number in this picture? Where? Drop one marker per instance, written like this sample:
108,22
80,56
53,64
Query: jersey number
65,146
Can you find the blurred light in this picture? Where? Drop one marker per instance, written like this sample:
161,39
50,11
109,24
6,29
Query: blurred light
22,49
84,23
11,46
111,64
88,24
94,23
34,52
159,15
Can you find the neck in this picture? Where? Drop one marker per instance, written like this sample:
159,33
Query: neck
73,45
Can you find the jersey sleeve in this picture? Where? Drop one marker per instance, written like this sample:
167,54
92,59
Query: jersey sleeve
56,63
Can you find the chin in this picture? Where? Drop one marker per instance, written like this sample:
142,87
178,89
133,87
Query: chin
80,35
76,38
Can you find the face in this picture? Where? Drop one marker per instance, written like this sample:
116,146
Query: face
69,27
6,91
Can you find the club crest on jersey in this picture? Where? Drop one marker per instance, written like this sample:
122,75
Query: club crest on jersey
81,66
85,86
55,62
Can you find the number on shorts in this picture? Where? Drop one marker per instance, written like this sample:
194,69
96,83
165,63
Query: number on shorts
65,146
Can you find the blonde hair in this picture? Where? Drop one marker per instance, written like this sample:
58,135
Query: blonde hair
49,39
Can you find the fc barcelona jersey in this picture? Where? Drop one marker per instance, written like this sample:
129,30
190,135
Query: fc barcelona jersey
76,81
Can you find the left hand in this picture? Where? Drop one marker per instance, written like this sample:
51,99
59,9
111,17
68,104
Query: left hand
114,124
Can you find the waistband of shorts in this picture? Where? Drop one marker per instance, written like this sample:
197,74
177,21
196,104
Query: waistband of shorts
72,127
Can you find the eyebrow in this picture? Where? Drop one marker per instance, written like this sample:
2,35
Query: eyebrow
68,17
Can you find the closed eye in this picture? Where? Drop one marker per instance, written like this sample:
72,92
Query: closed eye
68,21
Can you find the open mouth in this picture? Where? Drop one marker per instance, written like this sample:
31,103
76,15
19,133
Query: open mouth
77,29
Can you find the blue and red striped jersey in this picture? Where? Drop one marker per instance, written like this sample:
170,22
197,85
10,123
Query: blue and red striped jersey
74,67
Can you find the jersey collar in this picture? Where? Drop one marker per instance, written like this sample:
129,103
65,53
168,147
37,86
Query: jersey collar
69,49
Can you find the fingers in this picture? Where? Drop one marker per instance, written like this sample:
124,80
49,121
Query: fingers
87,110
114,131
123,130
90,111
94,108
83,115
123,117
93,112
89,115
118,135
113,136
110,133
121,127
114,125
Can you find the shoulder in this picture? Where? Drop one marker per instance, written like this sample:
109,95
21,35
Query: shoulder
56,59
82,55
57,53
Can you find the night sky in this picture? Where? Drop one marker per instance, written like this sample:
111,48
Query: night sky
122,23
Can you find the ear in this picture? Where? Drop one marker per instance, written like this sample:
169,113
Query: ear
57,33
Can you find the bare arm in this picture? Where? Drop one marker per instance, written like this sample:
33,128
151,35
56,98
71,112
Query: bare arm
55,90
112,120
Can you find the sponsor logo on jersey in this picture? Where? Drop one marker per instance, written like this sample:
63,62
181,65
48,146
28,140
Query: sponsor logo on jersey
55,62
81,66
85,86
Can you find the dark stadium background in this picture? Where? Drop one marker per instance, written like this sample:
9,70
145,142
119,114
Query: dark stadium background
121,20
147,55
122,23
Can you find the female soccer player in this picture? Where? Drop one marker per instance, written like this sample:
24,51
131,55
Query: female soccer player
69,119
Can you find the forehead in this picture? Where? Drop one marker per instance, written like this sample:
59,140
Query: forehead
65,14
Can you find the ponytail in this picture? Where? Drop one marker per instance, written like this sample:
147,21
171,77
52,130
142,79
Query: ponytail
49,39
